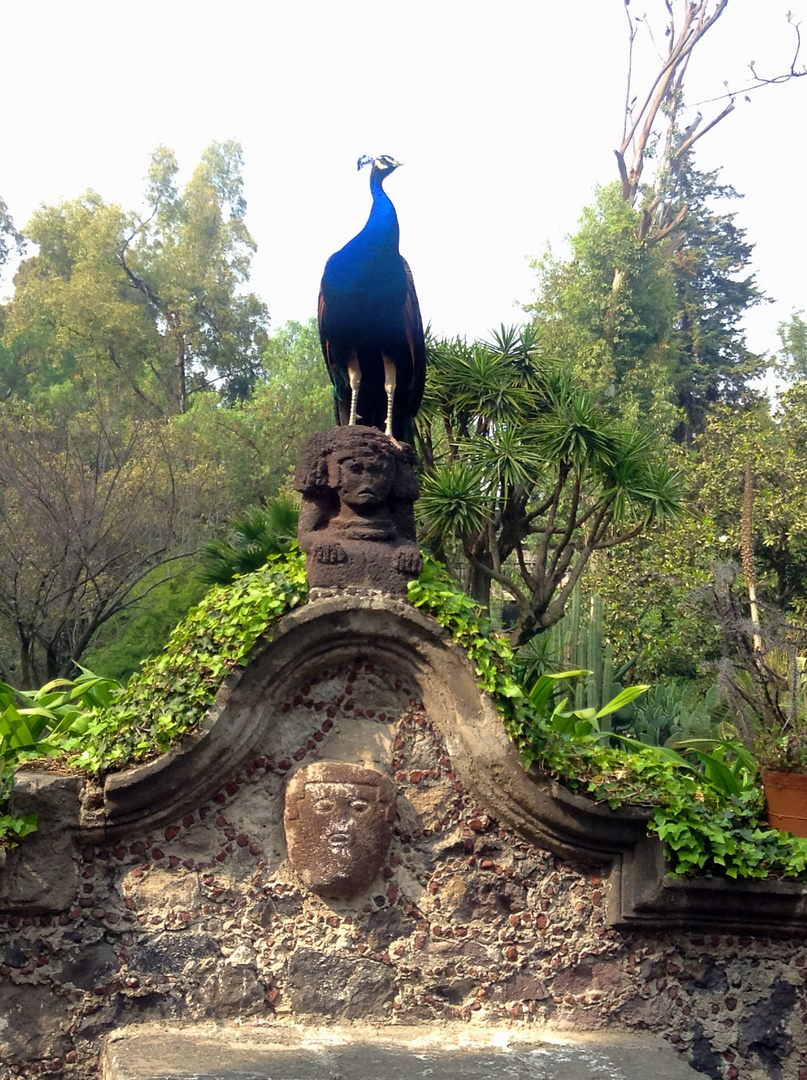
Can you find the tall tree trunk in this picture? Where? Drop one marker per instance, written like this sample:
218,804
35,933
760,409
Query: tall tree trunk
748,554
479,582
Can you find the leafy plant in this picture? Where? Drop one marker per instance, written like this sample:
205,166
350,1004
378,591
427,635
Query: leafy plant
171,692
37,724
49,715
580,723
577,642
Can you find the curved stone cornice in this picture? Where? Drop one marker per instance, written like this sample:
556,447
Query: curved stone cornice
392,634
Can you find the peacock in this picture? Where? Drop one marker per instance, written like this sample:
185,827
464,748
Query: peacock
369,322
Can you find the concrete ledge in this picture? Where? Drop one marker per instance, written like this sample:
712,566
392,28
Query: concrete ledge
40,874
641,894
154,1052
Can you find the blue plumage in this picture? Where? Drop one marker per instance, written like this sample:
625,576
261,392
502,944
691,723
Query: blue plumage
369,322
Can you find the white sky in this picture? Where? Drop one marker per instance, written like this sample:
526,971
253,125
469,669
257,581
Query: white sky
505,116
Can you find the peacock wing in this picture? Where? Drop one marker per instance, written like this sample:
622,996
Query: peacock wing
413,328
323,336
337,372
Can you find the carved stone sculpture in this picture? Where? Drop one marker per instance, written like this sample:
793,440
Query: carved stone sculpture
357,522
338,819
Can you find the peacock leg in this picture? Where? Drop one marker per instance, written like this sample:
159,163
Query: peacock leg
354,378
390,376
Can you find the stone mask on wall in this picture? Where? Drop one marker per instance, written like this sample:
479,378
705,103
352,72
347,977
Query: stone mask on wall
338,819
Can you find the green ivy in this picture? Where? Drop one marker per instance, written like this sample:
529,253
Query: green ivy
436,593
171,692
733,838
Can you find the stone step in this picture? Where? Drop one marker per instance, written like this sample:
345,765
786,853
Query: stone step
366,1052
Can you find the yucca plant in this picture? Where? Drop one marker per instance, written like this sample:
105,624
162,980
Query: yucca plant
526,475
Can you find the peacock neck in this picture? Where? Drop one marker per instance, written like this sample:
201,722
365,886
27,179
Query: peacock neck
382,224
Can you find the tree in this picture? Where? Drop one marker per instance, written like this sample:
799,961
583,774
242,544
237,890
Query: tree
73,326
667,342
258,440
119,322
188,259
711,359
616,340
159,603
526,477
609,308
152,307
793,354
773,448
91,503
653,132
297,381
9,237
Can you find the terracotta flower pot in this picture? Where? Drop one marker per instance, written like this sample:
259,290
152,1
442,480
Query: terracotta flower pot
786,798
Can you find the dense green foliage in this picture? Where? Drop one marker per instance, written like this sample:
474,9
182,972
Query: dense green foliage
707,806
609,309
172,691
527,475
9,237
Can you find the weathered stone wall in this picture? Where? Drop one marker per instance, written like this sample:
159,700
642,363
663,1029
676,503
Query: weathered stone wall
203,917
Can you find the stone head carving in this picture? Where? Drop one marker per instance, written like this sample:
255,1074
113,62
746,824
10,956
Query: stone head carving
319,470
364,477
338,819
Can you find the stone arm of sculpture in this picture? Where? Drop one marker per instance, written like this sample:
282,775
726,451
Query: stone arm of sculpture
408,558
314,520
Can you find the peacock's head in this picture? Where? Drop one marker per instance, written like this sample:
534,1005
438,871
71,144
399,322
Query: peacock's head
382,165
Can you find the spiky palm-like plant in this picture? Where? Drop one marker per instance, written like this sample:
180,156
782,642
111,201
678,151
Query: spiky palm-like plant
261,531
526,475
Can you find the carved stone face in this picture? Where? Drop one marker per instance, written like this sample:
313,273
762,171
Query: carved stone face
364,478
338,819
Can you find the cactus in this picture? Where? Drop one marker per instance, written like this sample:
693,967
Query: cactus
576,642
